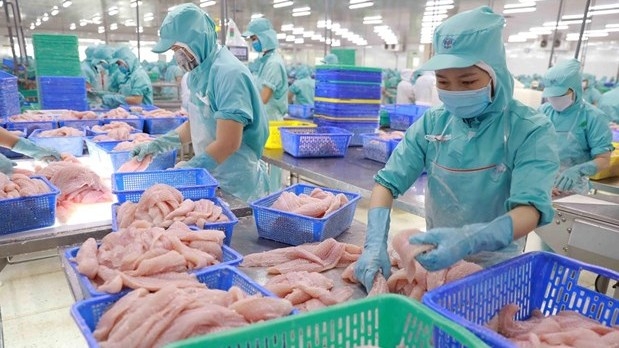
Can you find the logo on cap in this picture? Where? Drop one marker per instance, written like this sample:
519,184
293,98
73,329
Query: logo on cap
448,42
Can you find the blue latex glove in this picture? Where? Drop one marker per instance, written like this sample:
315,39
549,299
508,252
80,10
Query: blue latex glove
113,100
573,176
6,165
374,257
30,149
201,161
453,244
169,141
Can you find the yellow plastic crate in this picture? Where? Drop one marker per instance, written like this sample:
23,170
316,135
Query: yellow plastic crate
274,141
613,170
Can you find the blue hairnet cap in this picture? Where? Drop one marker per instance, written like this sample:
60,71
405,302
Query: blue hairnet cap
561,77
257,26
175,26
466,39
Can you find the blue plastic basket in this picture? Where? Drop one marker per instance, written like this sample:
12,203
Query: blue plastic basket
87,313
536,280
378,149
28,213
348,90
137,123
315,141
226,227
161,125
346,110
229,257
110,161
193,183
295,229
357,128
31,126
72,145
9,95
329,73
10,153
405,115
300,111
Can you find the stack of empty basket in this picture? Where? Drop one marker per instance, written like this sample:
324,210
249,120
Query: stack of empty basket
9,96
348,97
58,71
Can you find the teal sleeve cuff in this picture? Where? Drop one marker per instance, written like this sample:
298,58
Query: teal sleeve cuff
203,160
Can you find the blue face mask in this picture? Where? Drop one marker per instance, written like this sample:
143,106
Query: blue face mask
257,45
466,104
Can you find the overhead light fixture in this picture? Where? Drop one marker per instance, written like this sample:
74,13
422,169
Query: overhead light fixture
32,26
301,9
360,5
281,36
604,12
101,30
83,22
129,23
66,3
374,21
297,31
257,15
287,27
520,4
72,26
135,3
148,17
372,18
2,4
112,11
520,10
54,10
113,26
439,2
300,14
290,38
207,3
282,3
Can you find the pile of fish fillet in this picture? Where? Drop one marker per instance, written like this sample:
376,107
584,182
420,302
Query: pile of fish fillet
142,319
77,115
115,130
162,205
161,113
565,329
61,132
20,185
318,203
408,277
31,117
118,113
298,268
77,184
143,256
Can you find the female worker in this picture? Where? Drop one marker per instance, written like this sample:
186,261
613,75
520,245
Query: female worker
134,86
302,89
490,160
586,139
227,123
272,80
23,146
590,94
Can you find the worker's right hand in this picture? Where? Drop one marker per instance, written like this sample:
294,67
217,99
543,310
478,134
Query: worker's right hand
30,149
374,257
6,165
169,141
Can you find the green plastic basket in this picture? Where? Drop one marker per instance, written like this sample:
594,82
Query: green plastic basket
386,321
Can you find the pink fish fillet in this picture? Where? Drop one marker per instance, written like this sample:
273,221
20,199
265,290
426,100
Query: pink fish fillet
133,165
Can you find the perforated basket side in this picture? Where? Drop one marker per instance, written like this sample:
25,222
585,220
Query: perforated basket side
315,142
30,212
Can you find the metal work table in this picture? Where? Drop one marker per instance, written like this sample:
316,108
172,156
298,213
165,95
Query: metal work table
245,240
610,185
352,173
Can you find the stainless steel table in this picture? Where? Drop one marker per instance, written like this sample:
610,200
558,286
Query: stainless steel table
610,185
352,173
245,240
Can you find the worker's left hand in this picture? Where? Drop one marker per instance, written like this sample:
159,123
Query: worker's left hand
455,243
30,149
572,176
203,160
113,100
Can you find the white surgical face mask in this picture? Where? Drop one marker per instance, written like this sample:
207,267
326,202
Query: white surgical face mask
185,60
562,102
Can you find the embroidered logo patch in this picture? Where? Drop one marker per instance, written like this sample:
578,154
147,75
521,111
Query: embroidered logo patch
448,42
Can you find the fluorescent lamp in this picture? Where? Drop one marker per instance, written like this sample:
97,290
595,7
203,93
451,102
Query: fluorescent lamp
361,5
297,31
300,14
352,2
113,26
281,36
207,3
287,27
72,26
112,11
54,10
282,4
516,38
301,9
614,25
373,21
604,7
32,26
439,2
439,8
576,16
101,30
257,15
45,17
290,38
83,22
372,18
604,12
519,10
135,3
520,4
66,3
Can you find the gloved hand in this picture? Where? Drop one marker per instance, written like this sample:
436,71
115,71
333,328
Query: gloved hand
30,149
453,243
170,140
572,176
203,160
374,257
6,165
113,100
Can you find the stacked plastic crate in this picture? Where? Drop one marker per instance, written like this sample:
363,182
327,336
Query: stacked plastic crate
58,72
348,97
9,96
